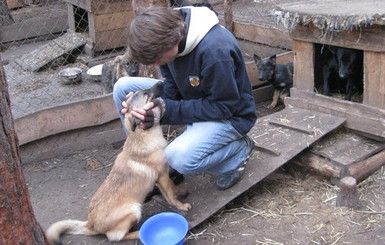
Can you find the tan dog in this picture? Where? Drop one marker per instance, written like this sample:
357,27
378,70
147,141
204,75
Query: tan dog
116,206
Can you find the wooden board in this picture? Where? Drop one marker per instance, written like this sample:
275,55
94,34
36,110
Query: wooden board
95,111
102,6
267,35
346,148
50,51
112,21
374,67
303,77
279,137
12,4
39,26
368,38
360,117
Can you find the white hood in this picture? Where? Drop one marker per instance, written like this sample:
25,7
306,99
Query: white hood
202,19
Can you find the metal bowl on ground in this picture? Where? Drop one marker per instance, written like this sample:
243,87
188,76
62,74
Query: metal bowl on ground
72,75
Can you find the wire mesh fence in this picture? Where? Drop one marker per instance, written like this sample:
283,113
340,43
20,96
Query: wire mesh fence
41,38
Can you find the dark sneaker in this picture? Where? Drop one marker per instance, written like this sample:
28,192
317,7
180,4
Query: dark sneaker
230,178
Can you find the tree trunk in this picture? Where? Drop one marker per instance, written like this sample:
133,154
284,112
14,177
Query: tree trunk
18,224
5,15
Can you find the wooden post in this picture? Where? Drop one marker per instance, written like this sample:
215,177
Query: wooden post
374,79
363,169
303,76
347,195
229,23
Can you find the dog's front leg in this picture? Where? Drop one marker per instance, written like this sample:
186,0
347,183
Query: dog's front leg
275,99
170,192
349,89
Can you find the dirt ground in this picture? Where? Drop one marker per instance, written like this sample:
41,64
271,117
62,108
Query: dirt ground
291,206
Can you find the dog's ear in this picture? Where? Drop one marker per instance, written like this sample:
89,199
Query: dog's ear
256,58
134,122
273,58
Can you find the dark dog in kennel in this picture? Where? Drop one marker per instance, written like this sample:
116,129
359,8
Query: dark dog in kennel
114,69
342,71
280,76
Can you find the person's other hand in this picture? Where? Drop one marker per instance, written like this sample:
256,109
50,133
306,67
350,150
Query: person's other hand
145,114
124,103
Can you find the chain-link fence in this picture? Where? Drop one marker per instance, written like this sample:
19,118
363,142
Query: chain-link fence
41,38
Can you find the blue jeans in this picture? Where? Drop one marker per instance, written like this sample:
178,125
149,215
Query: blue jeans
212,146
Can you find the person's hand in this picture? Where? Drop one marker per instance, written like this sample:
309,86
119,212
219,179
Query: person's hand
145,114
124,103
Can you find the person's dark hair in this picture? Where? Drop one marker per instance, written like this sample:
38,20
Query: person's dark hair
154,31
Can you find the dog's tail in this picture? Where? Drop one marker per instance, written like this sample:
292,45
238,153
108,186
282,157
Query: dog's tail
75,227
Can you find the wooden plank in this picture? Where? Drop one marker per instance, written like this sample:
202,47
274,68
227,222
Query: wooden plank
267,35
105,7
71,17
12,4
365,168
264,93
262,163
112,21
64,118
374,77
110,39
102,6
360,117
319,165
50,51
72,141
35,27
341,148
369,38
303,77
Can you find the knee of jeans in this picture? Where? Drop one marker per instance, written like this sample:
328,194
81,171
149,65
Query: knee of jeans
179,160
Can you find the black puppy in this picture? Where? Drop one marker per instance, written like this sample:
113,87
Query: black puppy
280,76
343,71
114,69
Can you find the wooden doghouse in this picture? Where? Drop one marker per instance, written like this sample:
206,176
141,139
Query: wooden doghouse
351,155
355,24
105,22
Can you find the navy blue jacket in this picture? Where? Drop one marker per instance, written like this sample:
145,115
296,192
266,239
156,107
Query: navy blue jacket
209,83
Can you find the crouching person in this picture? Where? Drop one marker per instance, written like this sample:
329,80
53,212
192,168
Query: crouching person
206,87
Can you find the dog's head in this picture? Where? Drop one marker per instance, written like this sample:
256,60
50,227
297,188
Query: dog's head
138,100
114,69
266,67
348,61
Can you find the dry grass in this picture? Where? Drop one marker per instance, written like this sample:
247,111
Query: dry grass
294,206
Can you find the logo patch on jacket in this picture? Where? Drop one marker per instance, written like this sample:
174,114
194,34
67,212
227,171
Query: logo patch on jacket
194,81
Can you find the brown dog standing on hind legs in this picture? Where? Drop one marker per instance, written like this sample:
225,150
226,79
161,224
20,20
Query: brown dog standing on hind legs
116,206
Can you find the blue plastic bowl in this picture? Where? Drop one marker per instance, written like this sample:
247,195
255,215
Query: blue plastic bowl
166,228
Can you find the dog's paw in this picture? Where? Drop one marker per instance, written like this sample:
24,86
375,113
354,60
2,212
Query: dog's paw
185,207
271,106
